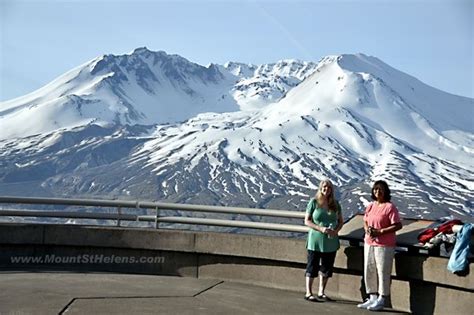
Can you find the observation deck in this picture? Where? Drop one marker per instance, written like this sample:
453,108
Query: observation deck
73,269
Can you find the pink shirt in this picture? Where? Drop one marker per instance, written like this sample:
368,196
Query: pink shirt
380,217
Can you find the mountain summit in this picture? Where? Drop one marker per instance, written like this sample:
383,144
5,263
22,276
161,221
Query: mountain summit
255,135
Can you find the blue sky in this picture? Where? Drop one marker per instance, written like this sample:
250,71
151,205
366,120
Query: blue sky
431,40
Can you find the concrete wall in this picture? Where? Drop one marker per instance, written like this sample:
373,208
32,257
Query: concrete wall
421,284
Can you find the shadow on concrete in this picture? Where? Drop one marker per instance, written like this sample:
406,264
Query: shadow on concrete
422,294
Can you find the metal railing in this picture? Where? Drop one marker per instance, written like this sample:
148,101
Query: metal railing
156,218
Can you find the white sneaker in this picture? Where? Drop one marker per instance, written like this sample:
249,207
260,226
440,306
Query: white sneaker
377,306
366,304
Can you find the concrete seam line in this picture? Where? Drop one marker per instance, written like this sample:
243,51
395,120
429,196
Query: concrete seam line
198,265
43,235
65,308
132,297
207,289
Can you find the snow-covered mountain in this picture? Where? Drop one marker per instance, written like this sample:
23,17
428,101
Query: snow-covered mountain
146,87
351,118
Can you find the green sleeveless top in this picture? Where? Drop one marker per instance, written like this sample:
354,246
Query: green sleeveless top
318,241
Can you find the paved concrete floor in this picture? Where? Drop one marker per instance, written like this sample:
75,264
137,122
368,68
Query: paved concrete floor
104,293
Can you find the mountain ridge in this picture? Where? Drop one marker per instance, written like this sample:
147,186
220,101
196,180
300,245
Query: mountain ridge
143,87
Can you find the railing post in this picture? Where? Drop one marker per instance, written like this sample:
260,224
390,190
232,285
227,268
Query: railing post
156,218
137,208
119,211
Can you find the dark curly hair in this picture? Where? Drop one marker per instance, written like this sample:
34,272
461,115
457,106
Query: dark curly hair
381,184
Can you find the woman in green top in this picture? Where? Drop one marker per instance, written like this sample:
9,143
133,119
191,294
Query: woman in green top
323,216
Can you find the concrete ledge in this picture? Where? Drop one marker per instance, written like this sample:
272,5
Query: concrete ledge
268,261
409,266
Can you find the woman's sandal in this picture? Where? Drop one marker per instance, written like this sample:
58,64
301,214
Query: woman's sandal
325,298
311,298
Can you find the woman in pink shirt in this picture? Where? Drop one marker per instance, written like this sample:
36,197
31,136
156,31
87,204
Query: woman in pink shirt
381,221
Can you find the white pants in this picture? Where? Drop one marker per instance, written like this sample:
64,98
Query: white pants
378,261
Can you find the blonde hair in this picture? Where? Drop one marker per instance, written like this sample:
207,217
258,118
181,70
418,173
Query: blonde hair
332,204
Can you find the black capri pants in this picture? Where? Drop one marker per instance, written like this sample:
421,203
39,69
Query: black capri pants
320,263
